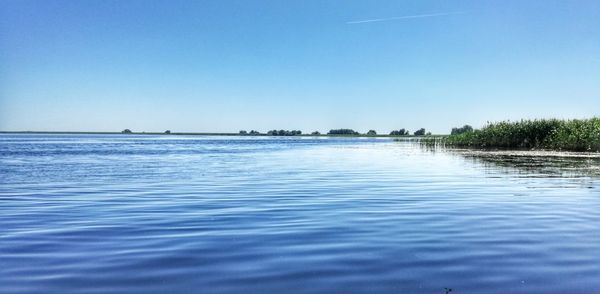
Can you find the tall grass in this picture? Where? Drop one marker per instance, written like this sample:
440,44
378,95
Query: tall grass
568,135
580,135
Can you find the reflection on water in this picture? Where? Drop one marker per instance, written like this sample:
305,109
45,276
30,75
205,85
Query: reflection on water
177,214
530,163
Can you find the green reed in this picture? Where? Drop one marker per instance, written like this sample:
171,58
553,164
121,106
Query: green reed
554,134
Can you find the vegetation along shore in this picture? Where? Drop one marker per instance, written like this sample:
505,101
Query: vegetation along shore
548,134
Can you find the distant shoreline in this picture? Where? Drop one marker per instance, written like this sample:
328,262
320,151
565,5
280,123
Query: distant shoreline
213,134
428,140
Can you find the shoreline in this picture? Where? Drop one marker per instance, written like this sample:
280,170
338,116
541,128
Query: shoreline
526,153
211,134
517,152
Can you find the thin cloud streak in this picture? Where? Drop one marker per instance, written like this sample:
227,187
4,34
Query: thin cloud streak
406,17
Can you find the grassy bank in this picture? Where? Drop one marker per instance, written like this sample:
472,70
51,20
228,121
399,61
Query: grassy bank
552,134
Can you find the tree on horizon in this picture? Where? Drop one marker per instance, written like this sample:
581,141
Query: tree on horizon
420,132
400,132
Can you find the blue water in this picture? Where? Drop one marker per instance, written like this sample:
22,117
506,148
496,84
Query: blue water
176,214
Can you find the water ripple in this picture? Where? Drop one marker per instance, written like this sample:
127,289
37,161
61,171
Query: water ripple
177,214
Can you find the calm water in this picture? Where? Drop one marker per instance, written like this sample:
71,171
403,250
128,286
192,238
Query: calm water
158,214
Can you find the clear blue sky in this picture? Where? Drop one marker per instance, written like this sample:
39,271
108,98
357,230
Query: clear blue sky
310,65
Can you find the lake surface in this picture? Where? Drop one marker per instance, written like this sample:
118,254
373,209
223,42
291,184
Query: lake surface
199,214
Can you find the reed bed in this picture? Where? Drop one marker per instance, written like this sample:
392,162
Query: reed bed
550,134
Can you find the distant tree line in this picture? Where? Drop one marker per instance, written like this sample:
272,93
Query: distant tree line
284,133
251,133
400,132
421,132
404,132
343,132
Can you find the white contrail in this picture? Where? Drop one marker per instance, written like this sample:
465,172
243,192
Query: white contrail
406,17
